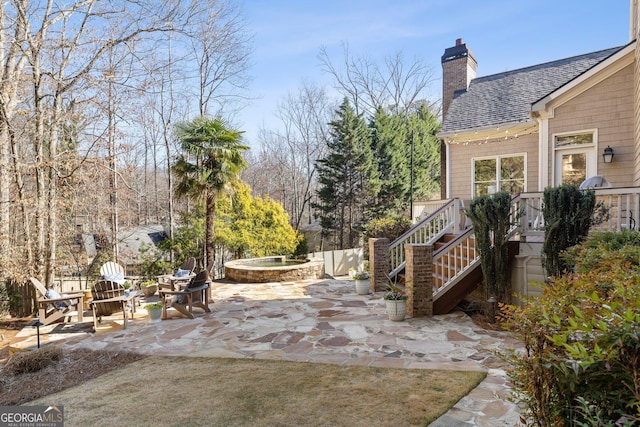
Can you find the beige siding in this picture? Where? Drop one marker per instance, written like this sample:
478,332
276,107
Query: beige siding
608,107
462,154
636,153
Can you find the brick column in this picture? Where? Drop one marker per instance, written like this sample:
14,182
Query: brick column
379,264
419,280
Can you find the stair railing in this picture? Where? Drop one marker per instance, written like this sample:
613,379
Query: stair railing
451,262
427,231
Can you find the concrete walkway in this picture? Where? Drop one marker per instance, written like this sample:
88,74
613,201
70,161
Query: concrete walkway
321,321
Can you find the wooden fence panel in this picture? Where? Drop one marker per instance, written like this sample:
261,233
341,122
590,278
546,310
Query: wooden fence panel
19,299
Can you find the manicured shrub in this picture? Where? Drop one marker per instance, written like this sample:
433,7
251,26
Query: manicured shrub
581,358
491,218
568,214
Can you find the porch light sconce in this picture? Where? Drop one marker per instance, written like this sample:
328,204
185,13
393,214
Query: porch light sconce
607,156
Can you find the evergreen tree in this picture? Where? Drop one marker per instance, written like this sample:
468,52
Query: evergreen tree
391,179
491,218
253,227
245,227
423,127
343,177
568,214
404,144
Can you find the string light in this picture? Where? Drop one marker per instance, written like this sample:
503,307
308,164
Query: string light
495,137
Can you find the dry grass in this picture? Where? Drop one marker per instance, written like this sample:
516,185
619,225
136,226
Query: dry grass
117,388
205,391
181,391
32,361
20,382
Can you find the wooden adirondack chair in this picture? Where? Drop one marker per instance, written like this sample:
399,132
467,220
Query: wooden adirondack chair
194,294
112,271
181,277
53,307
108,298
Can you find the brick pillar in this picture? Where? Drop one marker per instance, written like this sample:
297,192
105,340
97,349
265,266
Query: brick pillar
419,280
379,264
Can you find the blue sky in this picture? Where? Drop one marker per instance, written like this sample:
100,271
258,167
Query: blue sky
503,34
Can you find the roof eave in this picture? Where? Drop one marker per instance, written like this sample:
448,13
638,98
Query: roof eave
484,132
543,103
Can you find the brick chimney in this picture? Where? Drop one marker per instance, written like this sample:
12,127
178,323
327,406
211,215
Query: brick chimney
458,69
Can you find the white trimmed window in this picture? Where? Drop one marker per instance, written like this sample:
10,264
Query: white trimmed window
575,157
500,173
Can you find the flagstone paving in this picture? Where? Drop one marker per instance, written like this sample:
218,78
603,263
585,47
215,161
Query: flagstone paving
321,321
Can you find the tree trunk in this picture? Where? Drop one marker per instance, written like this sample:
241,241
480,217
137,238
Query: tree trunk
26,228
52,199
5,198
209,243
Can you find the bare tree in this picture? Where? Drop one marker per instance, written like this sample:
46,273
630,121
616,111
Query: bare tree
63,47
288,156
396,84
89,93
220,49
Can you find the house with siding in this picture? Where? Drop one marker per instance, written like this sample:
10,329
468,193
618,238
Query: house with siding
574,120
548,124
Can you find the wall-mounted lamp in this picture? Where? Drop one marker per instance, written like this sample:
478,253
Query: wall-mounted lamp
607,156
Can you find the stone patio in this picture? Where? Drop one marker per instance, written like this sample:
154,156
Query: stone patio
322,321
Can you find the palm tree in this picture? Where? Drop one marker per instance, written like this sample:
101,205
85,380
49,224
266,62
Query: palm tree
217,161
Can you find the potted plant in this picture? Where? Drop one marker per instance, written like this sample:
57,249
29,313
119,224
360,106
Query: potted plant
149,288
155,311
396,302
362,282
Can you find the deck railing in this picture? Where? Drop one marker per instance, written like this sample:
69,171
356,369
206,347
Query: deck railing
622,204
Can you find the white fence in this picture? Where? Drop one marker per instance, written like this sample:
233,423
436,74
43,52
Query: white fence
338,263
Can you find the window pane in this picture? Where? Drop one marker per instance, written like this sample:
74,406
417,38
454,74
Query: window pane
574,168
484,174
484,188
515,186
583,138
512,167
485,170
512,174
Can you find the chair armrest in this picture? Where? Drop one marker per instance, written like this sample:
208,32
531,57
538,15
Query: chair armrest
74,295
121,298
170,292
197,288
185,291
62,298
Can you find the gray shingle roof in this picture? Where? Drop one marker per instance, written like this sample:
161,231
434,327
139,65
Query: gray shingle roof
507,97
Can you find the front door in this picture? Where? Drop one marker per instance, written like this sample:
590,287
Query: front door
572,166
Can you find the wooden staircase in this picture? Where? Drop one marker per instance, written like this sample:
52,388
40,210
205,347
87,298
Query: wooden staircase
456,262
461,256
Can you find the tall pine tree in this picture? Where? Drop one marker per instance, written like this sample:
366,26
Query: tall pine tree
343,177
